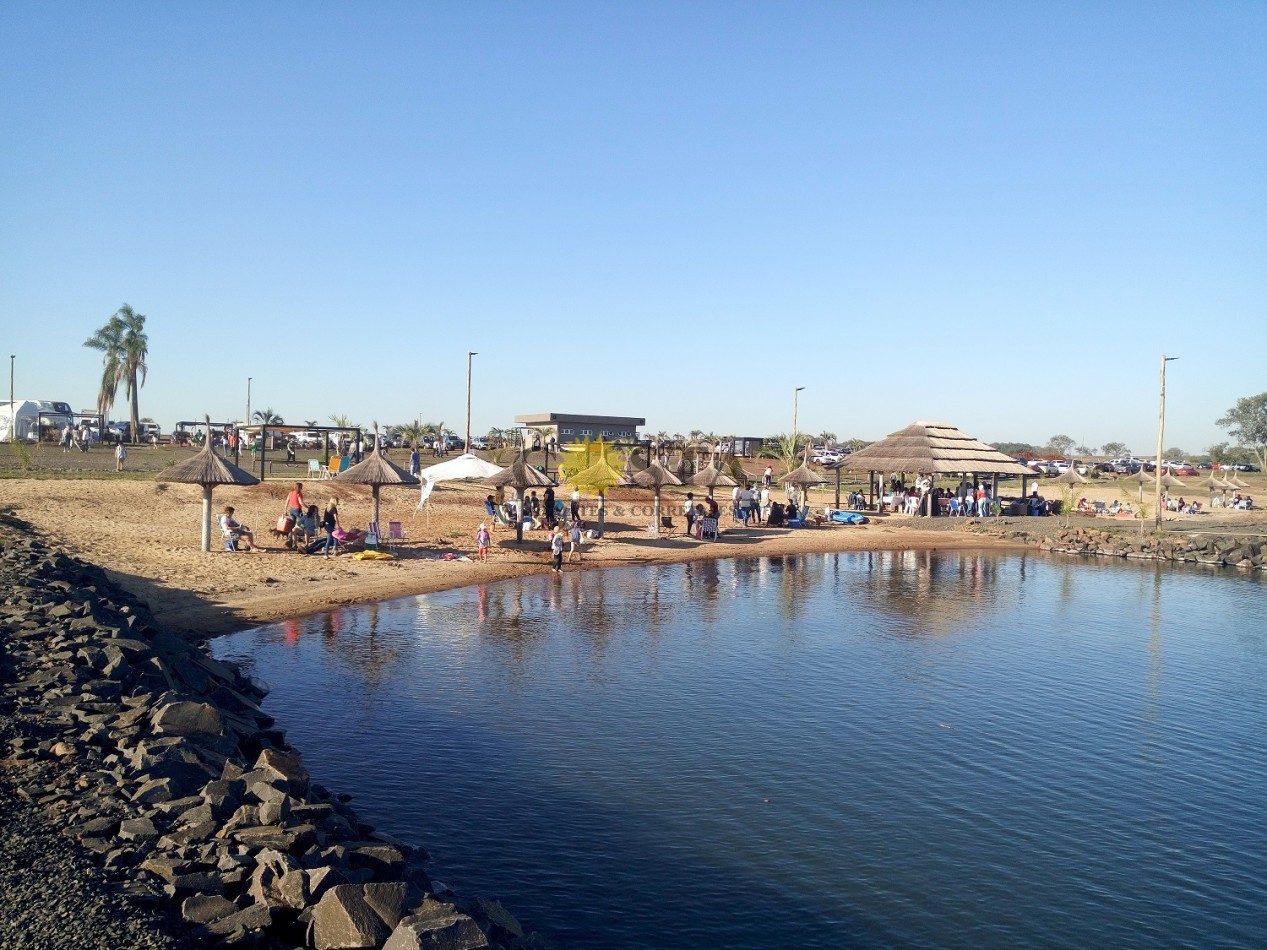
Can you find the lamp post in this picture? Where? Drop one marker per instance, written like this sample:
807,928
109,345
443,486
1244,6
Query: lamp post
1161,434
466,446
13,422
248,400
795,397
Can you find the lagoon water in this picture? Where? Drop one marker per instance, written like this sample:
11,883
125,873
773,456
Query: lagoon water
861,749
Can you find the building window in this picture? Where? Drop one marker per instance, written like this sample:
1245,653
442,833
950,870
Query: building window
566,431
587,432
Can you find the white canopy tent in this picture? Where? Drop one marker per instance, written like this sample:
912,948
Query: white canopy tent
27,414
464,467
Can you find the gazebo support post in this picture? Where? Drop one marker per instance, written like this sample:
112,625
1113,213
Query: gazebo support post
837,489
206,518
994,488
656,524
519,514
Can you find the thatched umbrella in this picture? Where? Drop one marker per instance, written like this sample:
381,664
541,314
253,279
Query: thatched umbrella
1211,483
1237,482
520,476
208,470
1069,477
655,476
710,476
599,477
803,477
376,471
1141,478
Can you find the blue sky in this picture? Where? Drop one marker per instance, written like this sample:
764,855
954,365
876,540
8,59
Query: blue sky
999,215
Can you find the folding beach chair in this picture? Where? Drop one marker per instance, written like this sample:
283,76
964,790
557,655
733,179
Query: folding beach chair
667,528
315,469
395,534
708,529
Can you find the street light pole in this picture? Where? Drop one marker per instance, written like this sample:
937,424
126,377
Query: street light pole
467,445
13,422
248,400
795,398
1161,434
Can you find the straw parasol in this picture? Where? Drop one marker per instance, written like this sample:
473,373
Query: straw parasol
376,471
520,476
208,470
1141,478
1237,482
655,476
599,477
803,477
710,476
1069,477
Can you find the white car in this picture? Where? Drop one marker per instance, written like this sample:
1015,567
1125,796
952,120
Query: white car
826,458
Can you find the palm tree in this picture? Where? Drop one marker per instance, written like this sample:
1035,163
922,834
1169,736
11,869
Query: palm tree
827,439
413,433
266,417
124,347
311,423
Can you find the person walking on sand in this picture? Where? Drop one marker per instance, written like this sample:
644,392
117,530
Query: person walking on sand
575,538
482,537
120,456
767,479
576,505
556,549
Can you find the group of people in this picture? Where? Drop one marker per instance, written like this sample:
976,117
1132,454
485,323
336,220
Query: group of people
969,499
304,524
1239,501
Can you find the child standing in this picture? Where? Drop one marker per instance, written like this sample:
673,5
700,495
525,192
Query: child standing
482,537
556,549
575,538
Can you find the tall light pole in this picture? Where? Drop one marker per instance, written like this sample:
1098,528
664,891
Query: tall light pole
466,447
248,400
13,422
1161,434
795,398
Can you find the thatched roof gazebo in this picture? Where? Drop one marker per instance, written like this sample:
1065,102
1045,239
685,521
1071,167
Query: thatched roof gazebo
655,476
710,477
208,470
934,448
520,476
376,471
803,477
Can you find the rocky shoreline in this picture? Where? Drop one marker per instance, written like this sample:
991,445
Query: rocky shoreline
1246,553
195,823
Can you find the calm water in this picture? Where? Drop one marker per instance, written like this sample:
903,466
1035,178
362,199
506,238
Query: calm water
847,749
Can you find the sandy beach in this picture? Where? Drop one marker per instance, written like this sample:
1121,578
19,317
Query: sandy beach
146,533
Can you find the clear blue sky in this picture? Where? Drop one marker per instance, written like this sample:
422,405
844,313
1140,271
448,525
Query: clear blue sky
999,215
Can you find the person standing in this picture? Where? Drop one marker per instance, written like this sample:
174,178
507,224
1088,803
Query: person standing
765,504
120,456
767,478
688,509
556,549
295,502
330,522
66,437
575,538
415,463
548,503
482,538
576,507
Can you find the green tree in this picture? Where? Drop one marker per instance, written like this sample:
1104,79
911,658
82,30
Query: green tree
124,347
1246,422
827,438
1174,454
1060,445
266,417
1218,453
413,433
1115,450
1085,449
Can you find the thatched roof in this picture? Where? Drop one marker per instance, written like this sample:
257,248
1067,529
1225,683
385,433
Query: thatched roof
519,474
600,476
710,476
931,447
803,476
1069,476
1169,481
206,468
376,469
654,475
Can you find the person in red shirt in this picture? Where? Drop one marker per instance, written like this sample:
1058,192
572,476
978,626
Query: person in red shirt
295,502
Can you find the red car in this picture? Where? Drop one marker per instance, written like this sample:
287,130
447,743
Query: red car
1185,470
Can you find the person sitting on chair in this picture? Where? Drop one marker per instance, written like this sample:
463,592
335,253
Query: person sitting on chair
305,530
235,531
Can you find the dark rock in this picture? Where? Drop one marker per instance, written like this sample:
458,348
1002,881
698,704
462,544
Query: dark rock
343,921
452,931
206,908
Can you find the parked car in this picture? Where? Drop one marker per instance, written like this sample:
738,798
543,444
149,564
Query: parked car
826,457
308,440
479,442
1206,466
1185,469
1125,466
452,443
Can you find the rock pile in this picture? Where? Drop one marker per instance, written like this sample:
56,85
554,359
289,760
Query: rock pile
158,759
1245,553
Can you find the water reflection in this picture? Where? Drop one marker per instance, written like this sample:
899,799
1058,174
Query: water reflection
873,748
